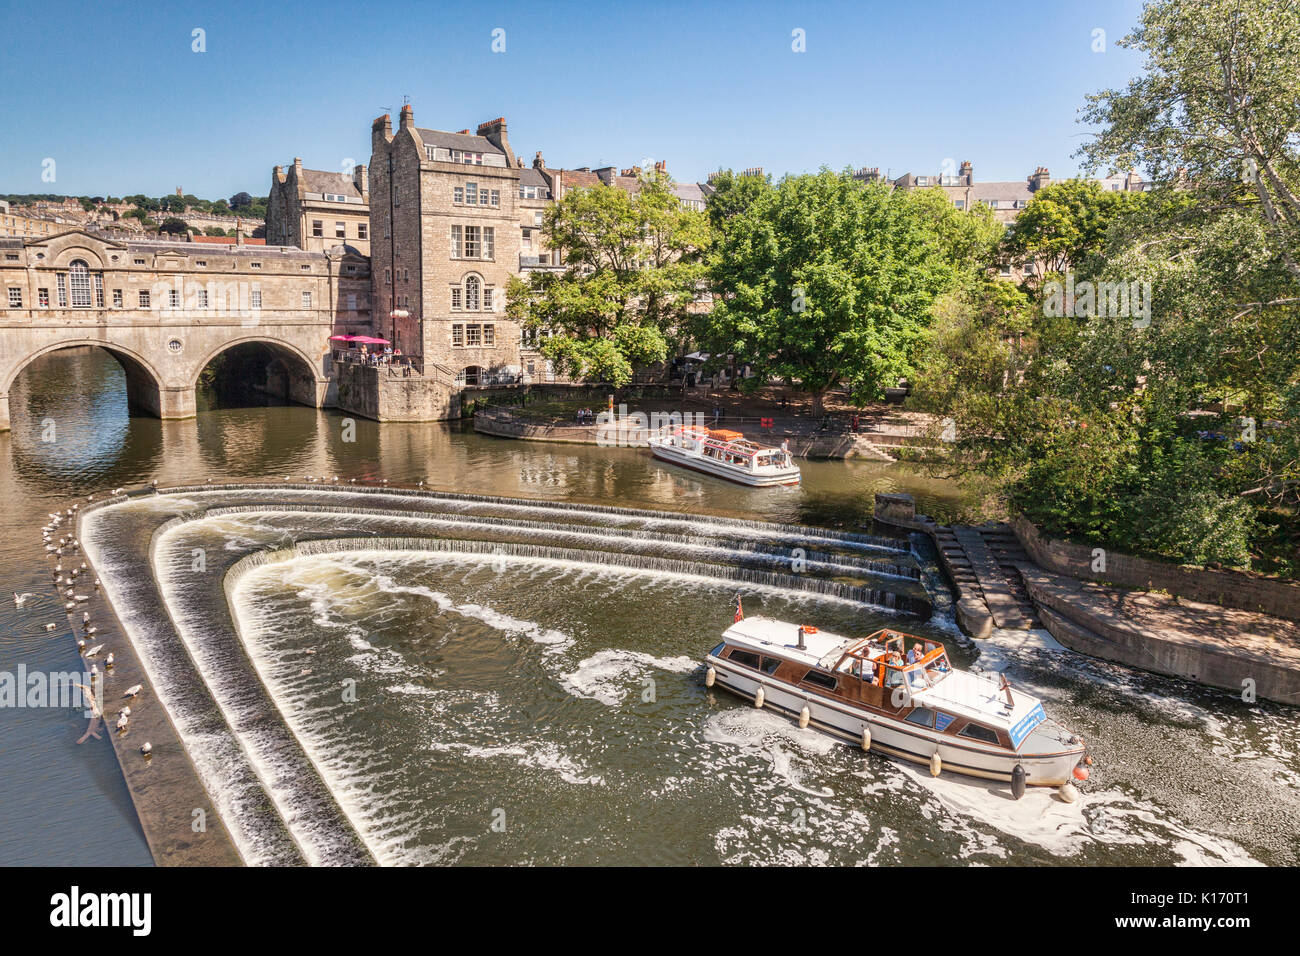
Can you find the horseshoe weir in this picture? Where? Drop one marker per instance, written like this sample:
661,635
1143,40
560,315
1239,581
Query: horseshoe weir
259,753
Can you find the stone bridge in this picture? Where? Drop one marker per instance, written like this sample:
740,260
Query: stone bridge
164,310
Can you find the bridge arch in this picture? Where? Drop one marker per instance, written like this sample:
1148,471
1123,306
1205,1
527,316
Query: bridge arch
290,373
144,385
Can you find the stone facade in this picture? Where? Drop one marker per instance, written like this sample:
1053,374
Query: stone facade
446,216
166,309
317,210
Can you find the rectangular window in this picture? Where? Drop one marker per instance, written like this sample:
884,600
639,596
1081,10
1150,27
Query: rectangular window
15,298
340,230
139,262
473,335
173,299
496,197
255,298
117,298
483,197
455,241
305,268
62,283
203,298
455,297
819,679
472,242
388,277
922,716
960,203
744,657
43,298
144,300
361,230
201,263
99,292
458,195
457,335
489,252
318,227
254,265
471,194
489,336
979,732
352,302
306,300
537,219
488,301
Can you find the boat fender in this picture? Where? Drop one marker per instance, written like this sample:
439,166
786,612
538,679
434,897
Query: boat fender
1080,773
866,738
758,698
936,764
805,715
1018,781
710,676
1068,793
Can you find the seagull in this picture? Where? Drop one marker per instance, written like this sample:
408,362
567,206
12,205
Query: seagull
108,661
85,617
94,672
125,710
133,690
146,748
50,627
94,650
121,721
90,631
21,599
81,644
96,583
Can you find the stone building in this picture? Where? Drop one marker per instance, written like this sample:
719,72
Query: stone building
446,212
164,309
317,210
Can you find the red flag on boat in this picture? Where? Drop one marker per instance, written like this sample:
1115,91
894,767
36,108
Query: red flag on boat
740,611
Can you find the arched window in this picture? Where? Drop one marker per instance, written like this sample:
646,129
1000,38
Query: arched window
471,293
79,282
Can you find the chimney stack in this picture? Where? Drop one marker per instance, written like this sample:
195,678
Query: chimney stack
361,179
1039,179
967,173
494,131
407,118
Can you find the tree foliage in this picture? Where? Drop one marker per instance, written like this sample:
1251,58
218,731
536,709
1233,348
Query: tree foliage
822,280
633,269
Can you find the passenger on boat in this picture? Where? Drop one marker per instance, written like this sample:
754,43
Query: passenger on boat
914,654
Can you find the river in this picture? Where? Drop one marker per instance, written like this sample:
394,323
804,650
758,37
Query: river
538,711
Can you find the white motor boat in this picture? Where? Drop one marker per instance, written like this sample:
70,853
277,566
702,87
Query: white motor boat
726,454
898,694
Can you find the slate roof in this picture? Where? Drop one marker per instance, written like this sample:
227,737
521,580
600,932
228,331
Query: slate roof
465,141
336,184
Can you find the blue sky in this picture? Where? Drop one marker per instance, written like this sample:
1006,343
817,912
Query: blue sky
115,95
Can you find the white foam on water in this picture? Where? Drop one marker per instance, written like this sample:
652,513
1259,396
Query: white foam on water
541,755
606,675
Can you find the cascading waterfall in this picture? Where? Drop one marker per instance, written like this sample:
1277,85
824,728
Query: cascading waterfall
240,735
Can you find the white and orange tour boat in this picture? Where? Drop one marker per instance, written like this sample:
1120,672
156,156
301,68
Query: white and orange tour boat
726,454
898,695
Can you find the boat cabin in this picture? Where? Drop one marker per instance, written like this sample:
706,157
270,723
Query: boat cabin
888,672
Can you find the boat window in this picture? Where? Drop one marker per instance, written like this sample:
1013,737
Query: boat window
744,657
942,720
717,651
770,664
921,715
820,678
979,732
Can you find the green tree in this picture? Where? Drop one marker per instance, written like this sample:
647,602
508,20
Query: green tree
174,226
1216,109
633,268
822,280
1063,221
